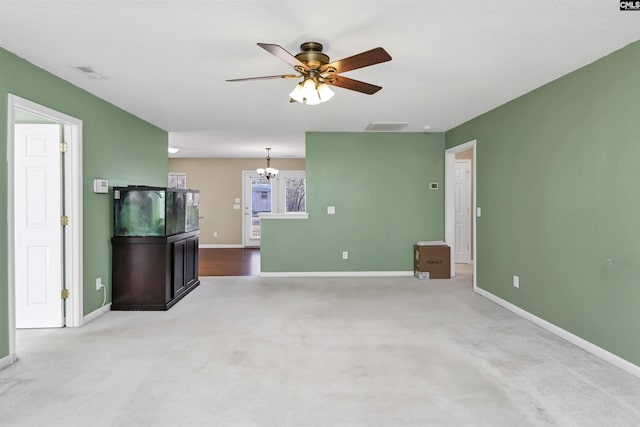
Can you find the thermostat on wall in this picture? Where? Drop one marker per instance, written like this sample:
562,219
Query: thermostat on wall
100,185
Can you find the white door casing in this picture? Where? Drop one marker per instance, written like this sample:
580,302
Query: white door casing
73,268
38,233
463,211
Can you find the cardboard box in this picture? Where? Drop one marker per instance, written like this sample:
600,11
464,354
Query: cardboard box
434,260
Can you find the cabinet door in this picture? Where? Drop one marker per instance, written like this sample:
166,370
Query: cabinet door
179,257
191,261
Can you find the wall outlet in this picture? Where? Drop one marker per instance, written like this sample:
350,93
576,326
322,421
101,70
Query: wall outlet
215,234
99,283
516,281
345,254
331,210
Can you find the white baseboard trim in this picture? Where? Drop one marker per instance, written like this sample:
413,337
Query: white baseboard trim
291,215
336,274
607,356
207,246
96,313
7,361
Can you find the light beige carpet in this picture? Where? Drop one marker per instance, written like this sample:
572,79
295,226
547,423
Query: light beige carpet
250,351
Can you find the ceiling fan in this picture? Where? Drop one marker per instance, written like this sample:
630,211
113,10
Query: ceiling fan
318,73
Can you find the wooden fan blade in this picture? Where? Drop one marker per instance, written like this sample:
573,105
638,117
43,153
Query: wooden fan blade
352,84
364,59
281,76
280,52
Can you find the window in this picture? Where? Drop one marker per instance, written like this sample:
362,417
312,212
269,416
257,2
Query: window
295,194
291,192
286,194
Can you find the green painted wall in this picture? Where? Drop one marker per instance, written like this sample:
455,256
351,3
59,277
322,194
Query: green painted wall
557,181
116,146
378,183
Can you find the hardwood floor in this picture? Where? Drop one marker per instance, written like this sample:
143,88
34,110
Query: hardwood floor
229,261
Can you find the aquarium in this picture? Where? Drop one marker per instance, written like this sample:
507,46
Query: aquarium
143,211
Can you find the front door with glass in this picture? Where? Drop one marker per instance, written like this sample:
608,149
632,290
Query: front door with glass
257,199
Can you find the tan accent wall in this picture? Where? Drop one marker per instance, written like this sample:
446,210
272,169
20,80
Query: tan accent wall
220,183
468,155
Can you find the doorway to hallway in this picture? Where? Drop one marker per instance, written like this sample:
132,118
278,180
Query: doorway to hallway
450,204
29,202
463,211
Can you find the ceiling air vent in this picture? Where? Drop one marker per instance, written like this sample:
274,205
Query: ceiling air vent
88,71
385,126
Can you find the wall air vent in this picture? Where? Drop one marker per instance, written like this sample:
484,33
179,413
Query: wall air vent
385,126
88,71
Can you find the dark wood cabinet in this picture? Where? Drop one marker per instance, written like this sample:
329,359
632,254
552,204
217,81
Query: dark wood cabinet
153,273
185,264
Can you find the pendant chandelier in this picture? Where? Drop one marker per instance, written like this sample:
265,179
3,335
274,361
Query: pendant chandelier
269,172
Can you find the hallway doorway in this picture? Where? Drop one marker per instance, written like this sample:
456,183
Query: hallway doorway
26,200
450,204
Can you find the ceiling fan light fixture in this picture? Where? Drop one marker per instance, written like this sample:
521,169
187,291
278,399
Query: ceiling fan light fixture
313,101
318,71
297,94
309,91
325,92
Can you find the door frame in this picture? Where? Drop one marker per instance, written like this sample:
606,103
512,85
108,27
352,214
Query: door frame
450,203
72,134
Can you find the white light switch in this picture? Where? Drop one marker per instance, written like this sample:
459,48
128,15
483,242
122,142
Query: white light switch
237,201
478,212
331,210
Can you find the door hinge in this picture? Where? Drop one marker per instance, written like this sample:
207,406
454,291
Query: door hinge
64,147
64,294
64,220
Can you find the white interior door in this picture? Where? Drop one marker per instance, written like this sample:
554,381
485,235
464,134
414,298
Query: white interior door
258,198
38,233
463,211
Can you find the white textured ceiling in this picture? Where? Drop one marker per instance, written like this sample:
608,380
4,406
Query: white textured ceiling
166,61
